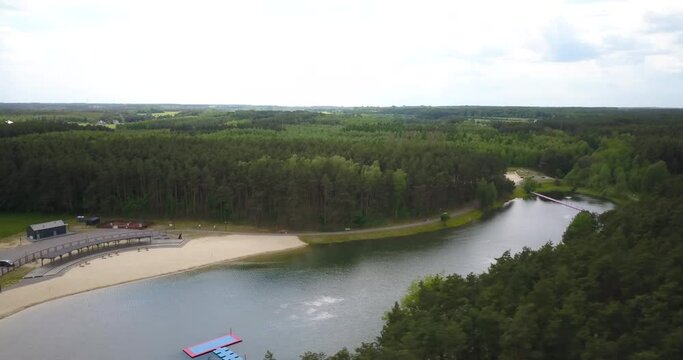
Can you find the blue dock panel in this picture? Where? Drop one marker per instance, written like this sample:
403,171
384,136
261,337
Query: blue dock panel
226,354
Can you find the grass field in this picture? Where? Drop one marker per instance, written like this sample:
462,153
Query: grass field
458,221
15,223
15,276
165,113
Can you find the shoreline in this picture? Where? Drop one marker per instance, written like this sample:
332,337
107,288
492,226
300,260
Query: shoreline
459,218
130,266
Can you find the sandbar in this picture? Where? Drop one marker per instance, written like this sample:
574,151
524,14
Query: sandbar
133,265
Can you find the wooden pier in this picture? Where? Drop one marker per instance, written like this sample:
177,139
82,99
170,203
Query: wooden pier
557,201
59,248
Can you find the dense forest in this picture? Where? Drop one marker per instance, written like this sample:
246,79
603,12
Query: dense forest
610,290
316,168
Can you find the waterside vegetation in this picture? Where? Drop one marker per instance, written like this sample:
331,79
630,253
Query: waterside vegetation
610,290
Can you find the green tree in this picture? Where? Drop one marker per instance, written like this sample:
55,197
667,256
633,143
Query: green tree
343,354
583,224
654,177
313,356
529,185
444,217
486,193
400,185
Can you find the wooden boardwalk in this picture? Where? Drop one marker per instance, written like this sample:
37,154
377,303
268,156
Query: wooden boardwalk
59,247
59,267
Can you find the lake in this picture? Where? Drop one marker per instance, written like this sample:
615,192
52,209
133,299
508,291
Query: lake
320,298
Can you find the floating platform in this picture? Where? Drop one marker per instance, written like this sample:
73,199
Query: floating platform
211,345
226,354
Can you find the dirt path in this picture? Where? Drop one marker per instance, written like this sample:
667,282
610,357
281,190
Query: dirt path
452,214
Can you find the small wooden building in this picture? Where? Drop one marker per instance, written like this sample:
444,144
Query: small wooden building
93,220
46,230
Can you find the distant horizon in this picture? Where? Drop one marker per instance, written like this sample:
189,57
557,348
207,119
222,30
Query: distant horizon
334,106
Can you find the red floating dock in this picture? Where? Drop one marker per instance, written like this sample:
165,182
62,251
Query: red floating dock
211,345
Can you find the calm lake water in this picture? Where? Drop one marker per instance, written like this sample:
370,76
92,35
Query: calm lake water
318,299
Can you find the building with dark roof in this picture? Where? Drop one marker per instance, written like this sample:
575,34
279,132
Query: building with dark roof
46,230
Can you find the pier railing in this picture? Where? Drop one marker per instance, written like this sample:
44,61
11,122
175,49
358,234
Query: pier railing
557,201
64,248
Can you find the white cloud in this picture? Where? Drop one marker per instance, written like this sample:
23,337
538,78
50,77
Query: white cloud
353,52
665,63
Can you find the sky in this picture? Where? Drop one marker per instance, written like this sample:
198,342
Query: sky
344,52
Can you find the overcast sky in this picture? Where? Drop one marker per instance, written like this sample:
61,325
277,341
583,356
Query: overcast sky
345,52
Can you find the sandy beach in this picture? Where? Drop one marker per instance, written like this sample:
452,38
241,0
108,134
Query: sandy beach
133,265
514,177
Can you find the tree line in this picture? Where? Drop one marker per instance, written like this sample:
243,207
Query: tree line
296,183
313,169
41,126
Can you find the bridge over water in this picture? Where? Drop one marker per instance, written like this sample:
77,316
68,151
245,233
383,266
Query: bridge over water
557,201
